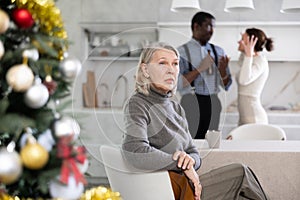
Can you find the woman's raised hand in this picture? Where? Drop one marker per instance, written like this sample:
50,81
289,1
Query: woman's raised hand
249,45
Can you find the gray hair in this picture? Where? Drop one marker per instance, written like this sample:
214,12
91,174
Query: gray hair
142,84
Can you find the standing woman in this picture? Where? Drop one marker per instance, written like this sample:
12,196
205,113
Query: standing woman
252,76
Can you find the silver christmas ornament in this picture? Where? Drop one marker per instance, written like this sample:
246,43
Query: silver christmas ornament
72,190
66,126
10,167
36,96
23,140
46,140
31,53
70,68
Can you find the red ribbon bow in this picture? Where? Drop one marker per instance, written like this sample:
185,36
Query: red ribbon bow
70,155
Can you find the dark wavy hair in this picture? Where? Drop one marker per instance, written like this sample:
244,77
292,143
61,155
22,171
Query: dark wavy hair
262,40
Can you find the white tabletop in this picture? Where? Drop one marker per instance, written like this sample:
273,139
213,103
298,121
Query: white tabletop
252,145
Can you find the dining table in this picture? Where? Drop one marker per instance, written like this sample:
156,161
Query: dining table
276,163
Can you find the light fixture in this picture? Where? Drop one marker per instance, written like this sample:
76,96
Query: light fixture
185,5
238,5
290,6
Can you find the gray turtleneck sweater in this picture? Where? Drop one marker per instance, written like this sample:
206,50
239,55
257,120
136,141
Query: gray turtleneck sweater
156,128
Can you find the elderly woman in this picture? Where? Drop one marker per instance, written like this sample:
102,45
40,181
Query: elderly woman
157,135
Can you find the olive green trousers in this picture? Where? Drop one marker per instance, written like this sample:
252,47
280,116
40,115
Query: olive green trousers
230,182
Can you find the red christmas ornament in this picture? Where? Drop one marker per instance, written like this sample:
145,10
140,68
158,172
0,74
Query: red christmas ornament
23,18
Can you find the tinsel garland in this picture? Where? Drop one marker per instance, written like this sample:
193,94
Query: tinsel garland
100,193
97,193
46,14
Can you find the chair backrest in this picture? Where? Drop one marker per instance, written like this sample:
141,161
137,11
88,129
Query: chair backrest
257,132
131,183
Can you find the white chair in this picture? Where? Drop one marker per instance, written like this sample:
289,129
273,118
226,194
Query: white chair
132,184
257,132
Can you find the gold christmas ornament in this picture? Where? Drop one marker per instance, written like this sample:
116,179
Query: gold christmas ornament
20,77
4,21
10,167
34,156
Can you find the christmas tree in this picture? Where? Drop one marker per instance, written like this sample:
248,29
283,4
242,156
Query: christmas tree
39,155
